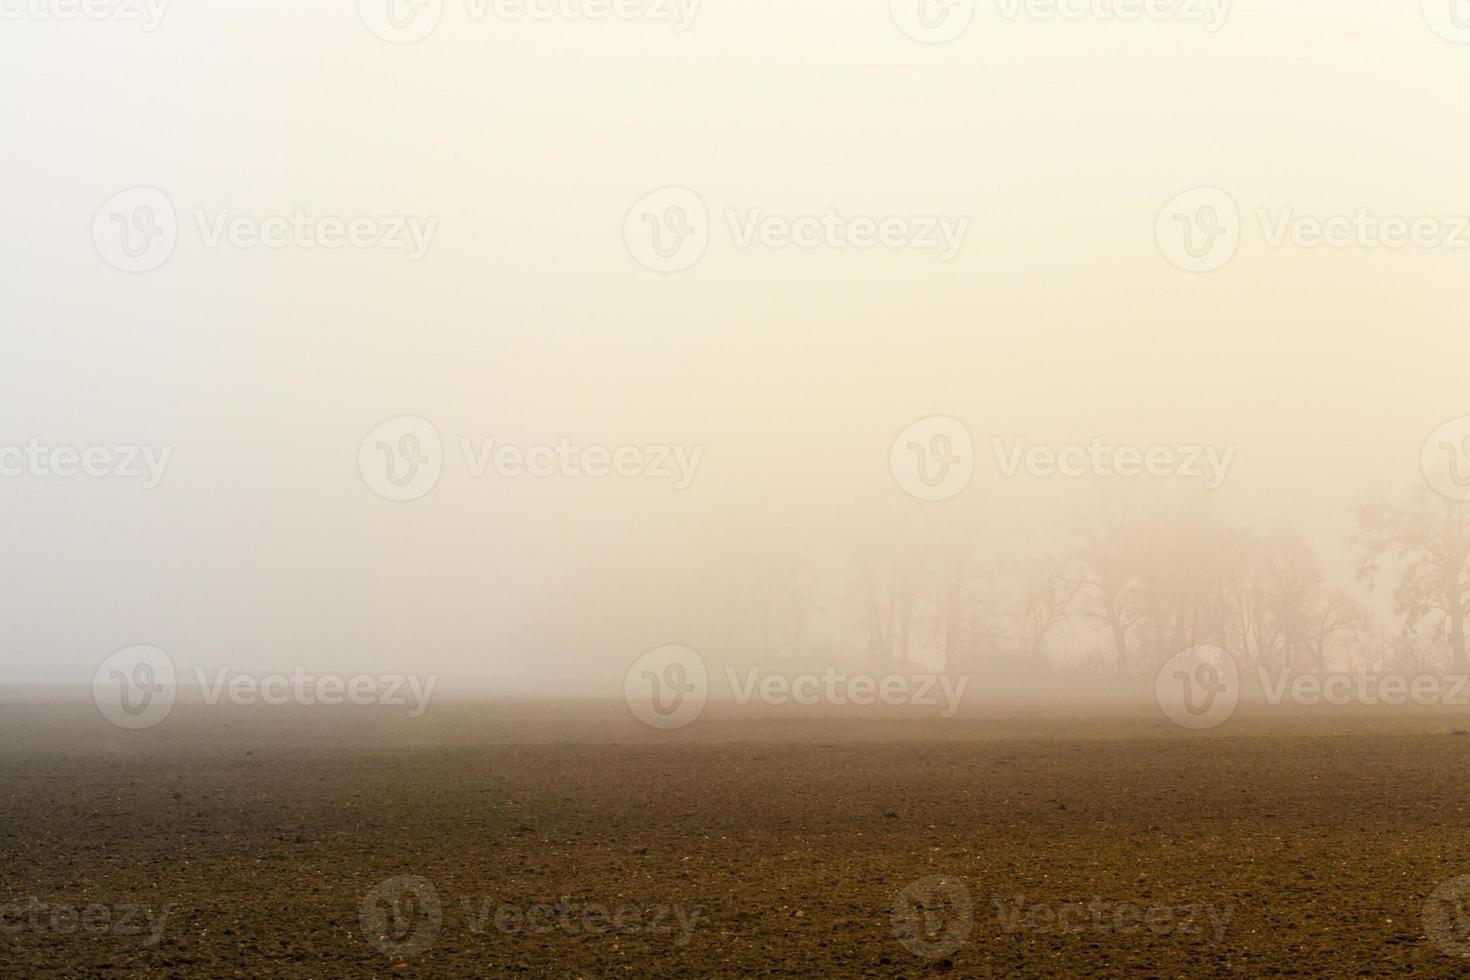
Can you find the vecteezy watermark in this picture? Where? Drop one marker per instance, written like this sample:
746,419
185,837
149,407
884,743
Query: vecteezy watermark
934,917
1212,14
402,917
137,688
669,230
64,918
148,14
137,230
409,21
939,21
299,687
836,688
301,229
1450,19
1363,229
1211,464
1446,459
667,687
402,459
566,459
1100,916
933,459
1198,688
1201,688
401,21
581,918
1200,230
1446,917
830,229
1363,687
932,21
40,461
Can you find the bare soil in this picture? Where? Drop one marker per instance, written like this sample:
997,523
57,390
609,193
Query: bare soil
559,839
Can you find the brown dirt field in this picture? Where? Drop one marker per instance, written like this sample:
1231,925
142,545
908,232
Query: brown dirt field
776,846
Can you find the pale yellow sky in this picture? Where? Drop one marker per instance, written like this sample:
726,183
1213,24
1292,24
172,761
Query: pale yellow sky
528,320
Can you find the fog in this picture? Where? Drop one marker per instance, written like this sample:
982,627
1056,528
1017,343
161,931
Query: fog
760,391
716,488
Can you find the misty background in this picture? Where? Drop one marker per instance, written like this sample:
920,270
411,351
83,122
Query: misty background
528,321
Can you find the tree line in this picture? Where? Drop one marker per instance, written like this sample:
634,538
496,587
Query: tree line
1115,586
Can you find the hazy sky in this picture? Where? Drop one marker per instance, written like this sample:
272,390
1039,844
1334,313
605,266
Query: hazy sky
529,320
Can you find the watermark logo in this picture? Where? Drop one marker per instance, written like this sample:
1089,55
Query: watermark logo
1362,687
569,460
1363,229
667,688
1198,688
148,14
833,687
933,21
412,691
401,917
934,916
136,230
1446,459
135,688
402,459
835,231
1199,230
1446,917
410,21
67,919
668,230
1208,464
38,460
301,229
679,13
1103,917
1450,19
933,459
401,21
1211,13
580,919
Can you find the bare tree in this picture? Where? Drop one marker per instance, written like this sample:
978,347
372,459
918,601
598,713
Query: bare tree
1335,614
1429,536
883,595
1243,593
1291,579
1046,597
1108,557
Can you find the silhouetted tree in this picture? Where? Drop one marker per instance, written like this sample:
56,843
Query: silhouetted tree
1429,536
